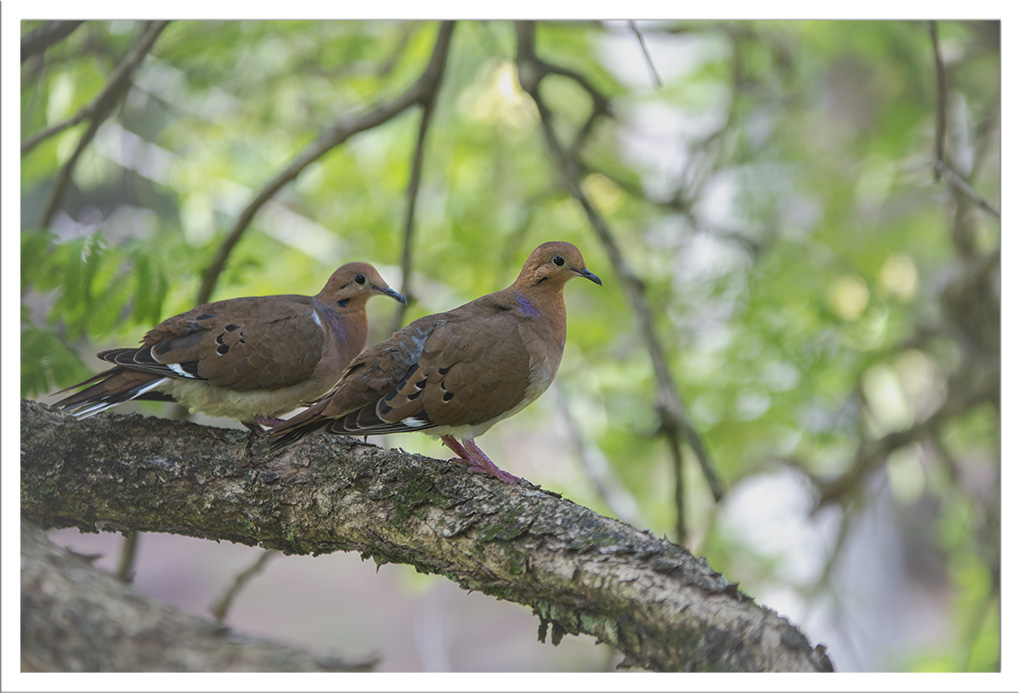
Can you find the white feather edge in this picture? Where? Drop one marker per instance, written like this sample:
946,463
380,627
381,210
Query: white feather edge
103,406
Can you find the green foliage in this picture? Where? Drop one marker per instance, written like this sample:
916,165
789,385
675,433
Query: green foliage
45,359
92,283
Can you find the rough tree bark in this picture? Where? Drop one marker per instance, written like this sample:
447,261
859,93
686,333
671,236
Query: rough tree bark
580,572
77,618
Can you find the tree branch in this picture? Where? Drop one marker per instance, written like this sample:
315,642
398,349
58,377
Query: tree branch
644,51
67,170
962,187
942,88
332,137
961,397
96,112
578,571
941,166
77,618
428,107
675,424
128,553
45,36
223,604
100,106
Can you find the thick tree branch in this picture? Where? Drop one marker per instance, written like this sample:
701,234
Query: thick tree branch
331,138
579,572
77,618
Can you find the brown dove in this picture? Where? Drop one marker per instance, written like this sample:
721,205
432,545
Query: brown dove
250,359
458,373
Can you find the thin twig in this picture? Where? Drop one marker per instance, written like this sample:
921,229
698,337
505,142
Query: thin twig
223,604
102,104
648,56
600,102
97,112
600,105
676,204
940,104
824,578
66,171
961,186
428,105
675,424
669,406
128,552
961,397
328,140
736,78
941,166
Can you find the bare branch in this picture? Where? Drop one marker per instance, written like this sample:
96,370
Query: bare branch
961,186
330,138
65,173
648,56
45,36
674,421
736,79
223,604
578,571
941,166
96,112
101,106
676,204
961,397
428,105
600,102
942,89
128,552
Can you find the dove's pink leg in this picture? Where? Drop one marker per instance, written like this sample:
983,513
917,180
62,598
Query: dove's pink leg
478,460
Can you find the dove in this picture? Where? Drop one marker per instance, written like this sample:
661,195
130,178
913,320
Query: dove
249,359
456,374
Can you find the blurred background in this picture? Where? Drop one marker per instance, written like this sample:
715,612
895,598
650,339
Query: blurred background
792,367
